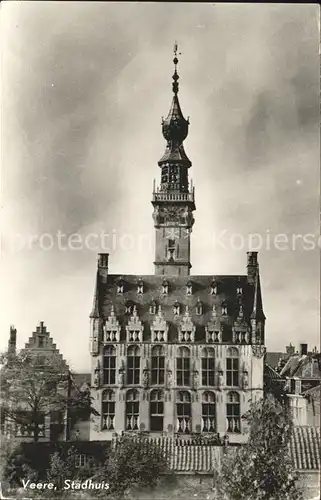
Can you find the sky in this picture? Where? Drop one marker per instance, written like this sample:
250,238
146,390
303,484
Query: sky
84,86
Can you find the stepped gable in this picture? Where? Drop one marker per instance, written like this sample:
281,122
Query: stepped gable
41,342
170,291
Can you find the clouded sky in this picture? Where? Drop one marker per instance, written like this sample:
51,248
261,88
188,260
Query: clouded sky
84,86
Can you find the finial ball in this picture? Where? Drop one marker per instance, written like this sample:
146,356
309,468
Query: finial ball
175,60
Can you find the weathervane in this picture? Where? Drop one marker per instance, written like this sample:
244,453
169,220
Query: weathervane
175,75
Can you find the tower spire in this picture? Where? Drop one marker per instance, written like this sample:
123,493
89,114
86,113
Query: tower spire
175,75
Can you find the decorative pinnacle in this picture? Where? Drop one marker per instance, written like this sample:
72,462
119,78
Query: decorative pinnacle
175,75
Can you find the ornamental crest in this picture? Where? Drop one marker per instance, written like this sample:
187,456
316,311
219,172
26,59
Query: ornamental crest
258,350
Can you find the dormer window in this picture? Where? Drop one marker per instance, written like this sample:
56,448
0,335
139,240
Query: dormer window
140,287
152,308
224,309
189,288
214,288
176,309
239,290
165,287
128,309
199,308
120,287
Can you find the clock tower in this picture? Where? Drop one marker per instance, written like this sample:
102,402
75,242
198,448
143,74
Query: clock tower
173,200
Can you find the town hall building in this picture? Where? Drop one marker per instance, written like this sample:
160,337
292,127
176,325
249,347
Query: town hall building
172,353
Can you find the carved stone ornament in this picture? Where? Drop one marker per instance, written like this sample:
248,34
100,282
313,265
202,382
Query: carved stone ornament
169,379
146,378
245,379
258,350
97,375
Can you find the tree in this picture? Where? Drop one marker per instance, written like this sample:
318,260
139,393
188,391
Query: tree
262,468
134,462
33,386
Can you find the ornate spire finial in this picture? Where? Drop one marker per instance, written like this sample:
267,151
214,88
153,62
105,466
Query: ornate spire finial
175,75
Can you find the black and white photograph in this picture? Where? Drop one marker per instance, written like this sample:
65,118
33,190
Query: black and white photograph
160,250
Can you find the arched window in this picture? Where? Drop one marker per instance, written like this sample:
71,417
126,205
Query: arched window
176,309
232,367
156,410
208,366
199,308
184,412
109,365
132,410
183,367
152,308
158,365
233,415
133,365
208,412
108,410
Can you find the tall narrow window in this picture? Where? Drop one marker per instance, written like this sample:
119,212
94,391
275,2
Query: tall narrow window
183,367
132,410
108,410
233,415
184,412
208,412
158,365
109,365
208,367
156,410
232,367
133,365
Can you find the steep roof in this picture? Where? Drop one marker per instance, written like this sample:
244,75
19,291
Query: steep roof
234,292
273,358
304,448
42,343
306,366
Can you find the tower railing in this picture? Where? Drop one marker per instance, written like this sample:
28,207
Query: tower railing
163,196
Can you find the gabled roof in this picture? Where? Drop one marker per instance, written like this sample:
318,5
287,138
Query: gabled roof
270,373
314,392
273,358
42,343
306,366
304,449
81,380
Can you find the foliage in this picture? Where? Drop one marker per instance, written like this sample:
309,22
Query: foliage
34,386
133,463
261,469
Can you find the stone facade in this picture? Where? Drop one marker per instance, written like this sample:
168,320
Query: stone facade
174,353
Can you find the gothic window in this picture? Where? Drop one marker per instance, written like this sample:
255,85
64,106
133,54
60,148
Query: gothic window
152,308
209,412
183,367
109,365
224,309
156,410
239,290
40,342
189,288
158,365
233,414
176,309
133,365
171,249
232,367
132,410
208,367
129,307
108,410
199,308
184,412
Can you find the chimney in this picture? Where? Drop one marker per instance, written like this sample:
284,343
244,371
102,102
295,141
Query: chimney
12,340
252,267
303,349
290,349
103,260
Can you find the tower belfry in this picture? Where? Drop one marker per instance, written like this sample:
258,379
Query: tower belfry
173,200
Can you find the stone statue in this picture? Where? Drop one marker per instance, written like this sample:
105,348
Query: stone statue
97,375
145,378
245,379
195,379
169,379
121,378
220,379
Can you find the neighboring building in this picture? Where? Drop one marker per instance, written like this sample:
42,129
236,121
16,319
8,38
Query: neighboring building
173,353
56,425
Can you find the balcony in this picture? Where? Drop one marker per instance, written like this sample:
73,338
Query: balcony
165,196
